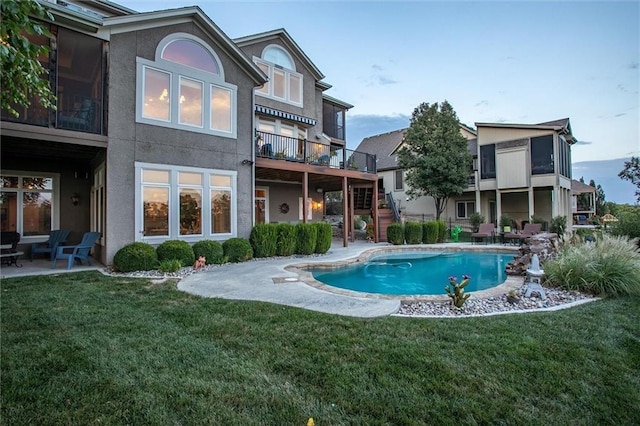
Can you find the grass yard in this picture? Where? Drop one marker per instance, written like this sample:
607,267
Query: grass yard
83,348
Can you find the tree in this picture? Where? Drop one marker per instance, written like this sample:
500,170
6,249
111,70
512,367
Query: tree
23,78
601,204
631,172
434,155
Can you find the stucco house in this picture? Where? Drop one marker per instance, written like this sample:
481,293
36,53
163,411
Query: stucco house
159,132
519,169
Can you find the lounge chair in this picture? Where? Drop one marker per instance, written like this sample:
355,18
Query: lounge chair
529,230
79,251
486,230
56,237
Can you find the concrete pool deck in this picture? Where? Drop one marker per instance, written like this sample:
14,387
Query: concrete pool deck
280,281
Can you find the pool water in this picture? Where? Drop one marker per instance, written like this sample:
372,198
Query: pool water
417,273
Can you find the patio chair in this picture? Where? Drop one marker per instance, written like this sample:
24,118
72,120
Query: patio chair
56,237
79,251
529,230
486,230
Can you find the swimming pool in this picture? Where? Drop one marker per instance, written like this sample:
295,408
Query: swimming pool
417,273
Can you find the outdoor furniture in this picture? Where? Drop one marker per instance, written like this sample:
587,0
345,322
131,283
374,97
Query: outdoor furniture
77,252
56,237
486,230
9,253
529,230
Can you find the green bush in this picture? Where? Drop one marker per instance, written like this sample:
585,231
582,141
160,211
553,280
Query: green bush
264,240
211,250
237,250
286,239
413,232
442,231
430,233
608,267
476,219
135,257
325,235
505,220
628,224
559,226
395,233
170,265
307,235
176,249
540,220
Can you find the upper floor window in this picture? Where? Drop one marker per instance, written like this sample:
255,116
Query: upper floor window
542,155
488,161
184,88
284,84
333,120
565,157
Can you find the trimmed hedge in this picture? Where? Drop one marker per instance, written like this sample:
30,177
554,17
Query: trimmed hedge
307,237
135,257
210,249
325,235
286,239
442,230
237,250
395,233
264,240
430,232
176,249
413,232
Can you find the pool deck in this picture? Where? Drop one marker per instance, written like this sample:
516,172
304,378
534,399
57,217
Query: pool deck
281,281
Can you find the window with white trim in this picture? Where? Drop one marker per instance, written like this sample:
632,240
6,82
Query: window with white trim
464,209
184,88
29,203
175,202
285,84
398,180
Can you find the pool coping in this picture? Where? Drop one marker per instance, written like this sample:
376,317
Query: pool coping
306,277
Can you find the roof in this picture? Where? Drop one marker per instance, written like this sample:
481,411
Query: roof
336,101
562,126
149,20
383,146
283,35
578,187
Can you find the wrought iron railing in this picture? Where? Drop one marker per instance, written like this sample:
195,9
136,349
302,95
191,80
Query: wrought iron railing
286,148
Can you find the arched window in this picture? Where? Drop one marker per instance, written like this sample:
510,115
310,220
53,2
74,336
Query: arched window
184,88
284,84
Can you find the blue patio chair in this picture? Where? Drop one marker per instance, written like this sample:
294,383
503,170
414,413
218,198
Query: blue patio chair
56,237
79,251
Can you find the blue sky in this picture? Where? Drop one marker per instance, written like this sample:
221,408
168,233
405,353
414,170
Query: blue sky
494,61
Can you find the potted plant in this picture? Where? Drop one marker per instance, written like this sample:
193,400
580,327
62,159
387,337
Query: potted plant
505,222
512,296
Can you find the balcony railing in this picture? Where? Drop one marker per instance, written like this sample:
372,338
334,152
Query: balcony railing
279,147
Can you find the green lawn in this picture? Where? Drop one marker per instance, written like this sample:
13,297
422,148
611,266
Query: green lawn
83,348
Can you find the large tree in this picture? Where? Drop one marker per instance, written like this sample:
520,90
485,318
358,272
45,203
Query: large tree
601,203
631,172
434,155
22,77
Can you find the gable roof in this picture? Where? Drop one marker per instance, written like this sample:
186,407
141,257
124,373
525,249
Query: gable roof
149,20
578,187
293,47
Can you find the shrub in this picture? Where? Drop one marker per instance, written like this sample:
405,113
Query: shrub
176,249
237,250
559,226
286,239
476,219
505,220
413,232
442,231
170,265
628,224
540,220
430,235
325,235
264,240
455,290
135,257
211,250
608,267
395,233
307,235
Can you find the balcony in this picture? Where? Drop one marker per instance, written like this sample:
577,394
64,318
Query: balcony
303,151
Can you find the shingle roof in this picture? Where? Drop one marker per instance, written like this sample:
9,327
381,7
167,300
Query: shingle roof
578,187
382,146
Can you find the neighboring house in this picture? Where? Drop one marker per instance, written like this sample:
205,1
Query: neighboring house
583,202
519,169
157,129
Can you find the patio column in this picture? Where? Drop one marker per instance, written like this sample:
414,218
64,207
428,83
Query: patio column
305,196
531,203
498,208
376,222
345,212
556,201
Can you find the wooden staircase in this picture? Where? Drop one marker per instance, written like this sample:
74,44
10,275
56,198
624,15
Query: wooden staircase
363,198
385,218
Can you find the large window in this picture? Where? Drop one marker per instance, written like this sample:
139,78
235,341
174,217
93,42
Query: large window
28,203
284,84
542,155
333,120
184,88
172,202
565,157
488,161
464,209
